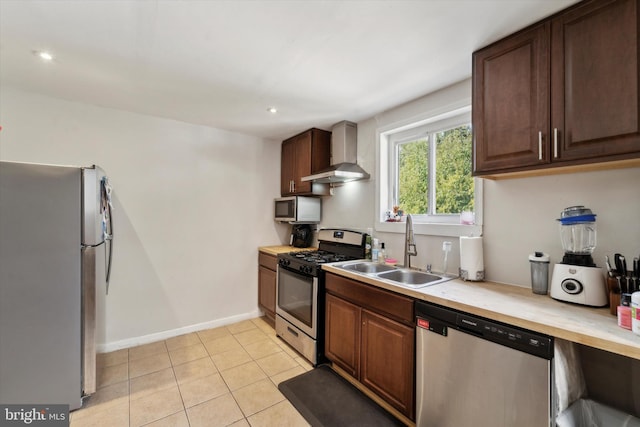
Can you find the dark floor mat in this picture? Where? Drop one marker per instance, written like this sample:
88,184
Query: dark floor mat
325,399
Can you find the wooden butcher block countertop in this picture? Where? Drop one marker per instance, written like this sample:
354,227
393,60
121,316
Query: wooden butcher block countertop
518,306
275,250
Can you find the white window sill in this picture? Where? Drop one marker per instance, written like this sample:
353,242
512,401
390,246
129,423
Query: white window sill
448,230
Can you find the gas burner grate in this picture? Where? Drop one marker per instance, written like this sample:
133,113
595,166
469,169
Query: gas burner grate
319,256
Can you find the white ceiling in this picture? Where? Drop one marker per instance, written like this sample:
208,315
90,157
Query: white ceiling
222,63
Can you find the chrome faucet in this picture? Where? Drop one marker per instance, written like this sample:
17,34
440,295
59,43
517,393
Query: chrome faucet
410,244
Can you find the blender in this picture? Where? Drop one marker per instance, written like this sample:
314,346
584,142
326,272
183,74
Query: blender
577,279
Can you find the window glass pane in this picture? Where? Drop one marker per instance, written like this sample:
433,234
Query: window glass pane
454,183
413,162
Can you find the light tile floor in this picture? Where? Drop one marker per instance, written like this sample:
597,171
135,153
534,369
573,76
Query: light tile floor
226,376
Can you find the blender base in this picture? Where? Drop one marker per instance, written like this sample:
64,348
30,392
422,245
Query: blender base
579,284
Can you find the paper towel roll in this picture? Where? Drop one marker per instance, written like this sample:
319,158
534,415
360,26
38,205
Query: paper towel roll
471,258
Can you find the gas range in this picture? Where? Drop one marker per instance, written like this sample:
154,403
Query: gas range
300,294
334,246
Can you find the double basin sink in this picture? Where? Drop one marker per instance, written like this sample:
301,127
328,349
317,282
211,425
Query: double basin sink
409,278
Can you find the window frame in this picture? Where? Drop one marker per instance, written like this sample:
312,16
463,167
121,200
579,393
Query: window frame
388,139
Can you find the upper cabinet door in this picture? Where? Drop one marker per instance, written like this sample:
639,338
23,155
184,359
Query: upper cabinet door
511,101
287,167
304,155
594,83
303,163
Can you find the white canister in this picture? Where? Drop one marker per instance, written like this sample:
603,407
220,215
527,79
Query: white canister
635,313
471,258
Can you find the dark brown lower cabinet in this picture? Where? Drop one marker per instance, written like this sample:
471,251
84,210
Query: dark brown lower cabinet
387,356
342,334
267,284
370,334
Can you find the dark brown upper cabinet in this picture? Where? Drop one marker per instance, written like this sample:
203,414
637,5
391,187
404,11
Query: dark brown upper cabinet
304,155
561,93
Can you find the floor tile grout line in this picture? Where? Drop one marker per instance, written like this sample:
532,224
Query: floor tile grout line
268,334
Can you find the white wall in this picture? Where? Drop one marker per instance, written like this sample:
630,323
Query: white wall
192,205
519,214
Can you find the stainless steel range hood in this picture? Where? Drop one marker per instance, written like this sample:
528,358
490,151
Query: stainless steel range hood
343,167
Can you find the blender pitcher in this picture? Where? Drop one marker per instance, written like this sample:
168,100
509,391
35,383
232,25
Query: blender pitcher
578,235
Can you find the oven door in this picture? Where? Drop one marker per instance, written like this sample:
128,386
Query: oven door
297,300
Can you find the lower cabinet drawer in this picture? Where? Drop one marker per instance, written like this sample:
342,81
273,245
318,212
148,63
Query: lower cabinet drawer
396,306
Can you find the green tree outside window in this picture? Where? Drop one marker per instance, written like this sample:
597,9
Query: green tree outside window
454,188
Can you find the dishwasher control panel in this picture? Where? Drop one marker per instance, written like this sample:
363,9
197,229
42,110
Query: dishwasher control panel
437,319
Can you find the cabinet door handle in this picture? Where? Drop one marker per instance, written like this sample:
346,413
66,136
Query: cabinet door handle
555,143
540,145
293,183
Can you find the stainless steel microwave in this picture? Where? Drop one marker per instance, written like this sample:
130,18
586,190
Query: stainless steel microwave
298,209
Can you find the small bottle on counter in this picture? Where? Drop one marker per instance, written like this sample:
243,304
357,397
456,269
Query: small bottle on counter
382,255
375,250
368,242
635,313
624,311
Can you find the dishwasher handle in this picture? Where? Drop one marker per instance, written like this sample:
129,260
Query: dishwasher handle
470,324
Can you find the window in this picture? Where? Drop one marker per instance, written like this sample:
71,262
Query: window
425,171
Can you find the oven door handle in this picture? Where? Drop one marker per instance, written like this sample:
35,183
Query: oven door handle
296,272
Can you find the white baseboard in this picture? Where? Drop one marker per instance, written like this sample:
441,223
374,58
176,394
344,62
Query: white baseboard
145,339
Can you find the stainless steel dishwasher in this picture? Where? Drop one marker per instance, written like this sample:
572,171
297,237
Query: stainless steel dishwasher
472,371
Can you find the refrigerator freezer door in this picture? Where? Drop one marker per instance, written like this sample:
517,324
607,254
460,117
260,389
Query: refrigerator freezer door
40,276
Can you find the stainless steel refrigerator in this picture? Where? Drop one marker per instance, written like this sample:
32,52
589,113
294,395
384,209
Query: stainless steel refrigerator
55,254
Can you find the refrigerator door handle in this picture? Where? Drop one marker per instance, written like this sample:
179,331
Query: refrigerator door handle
109,240
107,224
106,208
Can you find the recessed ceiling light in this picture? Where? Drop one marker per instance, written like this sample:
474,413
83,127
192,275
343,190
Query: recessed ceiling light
272,110
44,55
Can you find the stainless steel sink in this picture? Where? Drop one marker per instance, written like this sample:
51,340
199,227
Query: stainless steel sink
409,277
399,276
367,267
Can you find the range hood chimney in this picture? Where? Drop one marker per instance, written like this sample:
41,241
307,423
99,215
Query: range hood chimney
344,146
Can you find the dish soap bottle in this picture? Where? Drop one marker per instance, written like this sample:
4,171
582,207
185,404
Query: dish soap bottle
382,254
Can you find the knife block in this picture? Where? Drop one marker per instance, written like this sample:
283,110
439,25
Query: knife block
614,295
614,302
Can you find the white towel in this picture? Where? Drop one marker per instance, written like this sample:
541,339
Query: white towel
589,413
570,383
